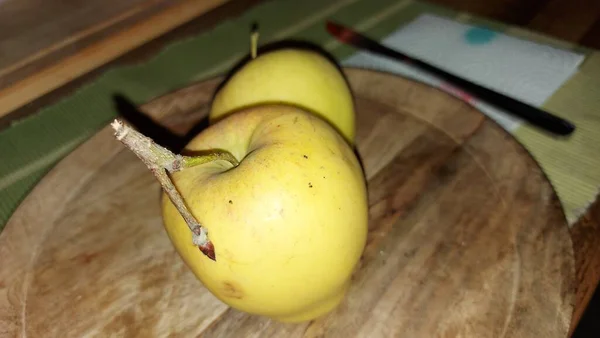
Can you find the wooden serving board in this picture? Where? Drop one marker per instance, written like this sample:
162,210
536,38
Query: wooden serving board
467,237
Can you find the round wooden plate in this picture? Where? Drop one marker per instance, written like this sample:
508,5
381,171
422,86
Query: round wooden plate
467,237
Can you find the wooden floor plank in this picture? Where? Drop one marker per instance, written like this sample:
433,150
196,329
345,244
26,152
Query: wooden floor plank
66,41
104,51
200,24
28,26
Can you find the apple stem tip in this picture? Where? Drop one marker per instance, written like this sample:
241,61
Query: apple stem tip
200,238
120,130
208,250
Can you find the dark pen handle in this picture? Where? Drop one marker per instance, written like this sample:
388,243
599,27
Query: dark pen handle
527,112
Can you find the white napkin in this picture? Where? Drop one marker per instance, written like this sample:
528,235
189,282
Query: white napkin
521,69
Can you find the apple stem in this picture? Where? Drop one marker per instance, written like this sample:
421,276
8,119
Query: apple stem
161,161
254,42
213,155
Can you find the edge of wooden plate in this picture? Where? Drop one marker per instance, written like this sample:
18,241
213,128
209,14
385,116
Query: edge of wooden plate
22,226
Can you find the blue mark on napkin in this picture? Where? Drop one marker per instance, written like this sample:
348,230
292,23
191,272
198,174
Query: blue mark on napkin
479,36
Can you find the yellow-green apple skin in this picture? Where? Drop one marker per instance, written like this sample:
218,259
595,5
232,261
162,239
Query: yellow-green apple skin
288,224
292,76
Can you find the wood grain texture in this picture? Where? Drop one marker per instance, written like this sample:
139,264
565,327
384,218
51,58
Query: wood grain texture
466,235
202,23
28,26
94,56
578,22
37,51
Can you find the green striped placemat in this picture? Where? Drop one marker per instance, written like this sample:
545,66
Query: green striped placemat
30,147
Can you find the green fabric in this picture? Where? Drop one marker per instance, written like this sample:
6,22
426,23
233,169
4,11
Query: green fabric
30,147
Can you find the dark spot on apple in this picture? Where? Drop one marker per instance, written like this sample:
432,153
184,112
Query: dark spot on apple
323,176
232,291
230,202
295,120
305,156
309,185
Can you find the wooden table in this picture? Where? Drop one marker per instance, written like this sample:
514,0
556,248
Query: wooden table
33,58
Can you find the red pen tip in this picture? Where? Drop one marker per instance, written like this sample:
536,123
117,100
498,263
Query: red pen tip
339,32
332,28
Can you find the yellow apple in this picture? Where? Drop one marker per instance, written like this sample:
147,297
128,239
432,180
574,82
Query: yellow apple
288,224
297,77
